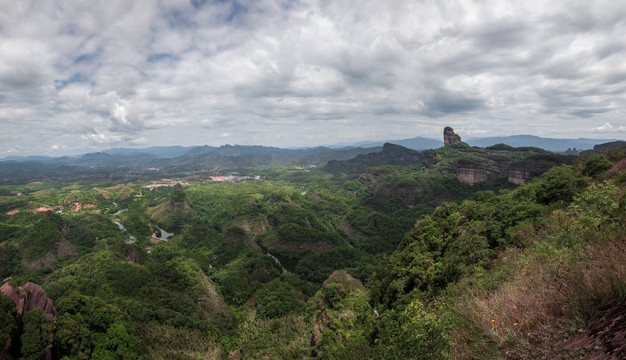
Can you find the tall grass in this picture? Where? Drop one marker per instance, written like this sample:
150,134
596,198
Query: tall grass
568,272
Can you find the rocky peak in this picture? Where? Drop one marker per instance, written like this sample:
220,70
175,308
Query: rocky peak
449,137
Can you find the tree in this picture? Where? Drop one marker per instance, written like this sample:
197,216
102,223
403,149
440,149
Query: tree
36,335
413,334
560,184
7,318
596,165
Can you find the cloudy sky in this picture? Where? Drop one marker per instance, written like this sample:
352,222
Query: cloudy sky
88,75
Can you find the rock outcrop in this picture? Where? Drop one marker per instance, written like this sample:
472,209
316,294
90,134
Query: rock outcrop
449,137
28,297
518,176
520,172
606,338
471,174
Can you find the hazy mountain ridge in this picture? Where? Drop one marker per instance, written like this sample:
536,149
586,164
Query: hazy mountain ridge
550,144
125,162
414,143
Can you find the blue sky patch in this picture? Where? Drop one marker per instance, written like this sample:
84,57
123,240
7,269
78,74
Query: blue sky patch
76,78
158,57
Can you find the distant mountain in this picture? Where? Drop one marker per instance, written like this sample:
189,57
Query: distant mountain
37,159
158,152
416,143
551,144
390,154
601,148
336,154
125,162
245,156
103,159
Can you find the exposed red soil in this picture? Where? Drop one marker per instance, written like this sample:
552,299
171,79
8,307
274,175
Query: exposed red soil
40,209
620,166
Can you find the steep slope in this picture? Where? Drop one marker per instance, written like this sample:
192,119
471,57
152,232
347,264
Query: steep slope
534,273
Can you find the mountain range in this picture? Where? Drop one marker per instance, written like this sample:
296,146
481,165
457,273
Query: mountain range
414,143
127,162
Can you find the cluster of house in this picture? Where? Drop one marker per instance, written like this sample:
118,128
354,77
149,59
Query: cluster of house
165,183
75,207
232,178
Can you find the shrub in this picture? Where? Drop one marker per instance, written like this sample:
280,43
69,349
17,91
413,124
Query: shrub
596,165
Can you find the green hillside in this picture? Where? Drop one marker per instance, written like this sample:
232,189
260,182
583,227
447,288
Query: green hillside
400,261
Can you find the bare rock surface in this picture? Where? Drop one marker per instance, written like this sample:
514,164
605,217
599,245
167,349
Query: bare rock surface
28,297
449,137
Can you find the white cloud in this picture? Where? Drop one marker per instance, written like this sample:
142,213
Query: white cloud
95,74
608,128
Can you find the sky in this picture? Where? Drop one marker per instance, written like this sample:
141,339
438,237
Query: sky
78,76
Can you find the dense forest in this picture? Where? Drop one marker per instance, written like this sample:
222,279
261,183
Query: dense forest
399,254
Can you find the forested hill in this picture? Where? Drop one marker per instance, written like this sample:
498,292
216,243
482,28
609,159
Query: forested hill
248,157
390,154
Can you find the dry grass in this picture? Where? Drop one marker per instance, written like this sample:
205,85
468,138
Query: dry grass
550,285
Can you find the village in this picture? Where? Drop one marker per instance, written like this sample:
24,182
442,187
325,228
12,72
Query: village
233,178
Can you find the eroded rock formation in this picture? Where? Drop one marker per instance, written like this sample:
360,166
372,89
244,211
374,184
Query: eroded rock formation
518,176
471,174
28,297
449,137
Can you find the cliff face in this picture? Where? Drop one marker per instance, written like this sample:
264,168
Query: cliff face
521,172
620,166
471,174
518,176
